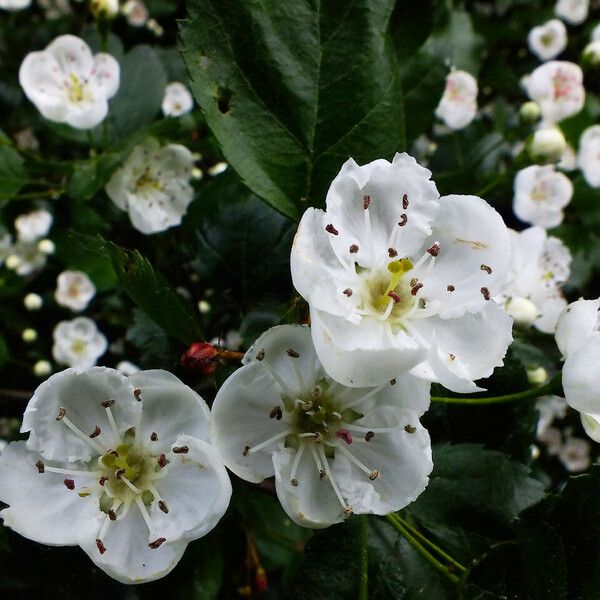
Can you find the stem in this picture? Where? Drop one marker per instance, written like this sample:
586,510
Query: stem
459,157
553,386
490,186
364,560
27,195
405,533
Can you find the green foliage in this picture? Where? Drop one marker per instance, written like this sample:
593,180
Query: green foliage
13,175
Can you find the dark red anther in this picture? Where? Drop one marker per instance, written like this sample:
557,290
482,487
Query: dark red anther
450,288
103,480
101,547
415,289
485,293
40,466
487,269
201,357
137,394
69,483
345,435
162,461
366,201
348,292
157,543
403,220
434,249
353,249
405,202
394,297
331,229
107,403
392,252
97,431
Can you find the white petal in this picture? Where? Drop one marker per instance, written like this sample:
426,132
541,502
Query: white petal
196,490
472,237
170,408
408,393
72,54
81,393
576,325
591,424
106,73
41,507
581,377
550,310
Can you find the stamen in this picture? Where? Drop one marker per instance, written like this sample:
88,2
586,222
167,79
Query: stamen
180,449
163,506
260,354
394,297
372,473
111,420
450,288
107,403
487,269
62,416
485,293
292,353
299,377
61,413
112,515
71,471
262,445
389,308
366,201
119,473
410,428
137,393
353,249
157,543
345,435
69,484
331,229
162,461
403,220
130,485
369,436
154,436
352,403
359,429
405,202
284,387
97,431
415,289
369,231
295,464
144,512
332,481
276,413
101,547
317,459
434,249
392,252
347,292
40,466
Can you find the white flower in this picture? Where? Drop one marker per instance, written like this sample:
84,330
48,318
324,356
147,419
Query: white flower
551,437
121,466
588,157
136,13
333,450
33,226
540,264
550,408
68,84
177,101
547,144
572,11
78,343
557,86
26,258
74,290
154,185
396,276
568,160
14,4
540,195
107,9
575,455
458,105
548,40
127,368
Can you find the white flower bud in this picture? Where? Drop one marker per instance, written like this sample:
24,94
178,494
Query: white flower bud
196,173
105,9
42,368
530,112
29,335
591,54
33,301
204,307
537,376
522,310
547,145
217,169
12,262
46,246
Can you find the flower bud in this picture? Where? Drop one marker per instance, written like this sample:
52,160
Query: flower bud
537,376
29,335
530,112
204,307
33,301
104,9
46,246
522,310
12,262
591,55
201,357
547,145
42,368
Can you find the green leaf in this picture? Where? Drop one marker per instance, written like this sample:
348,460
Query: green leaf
291,90
152,293
91,175
4,353
151,342
12,172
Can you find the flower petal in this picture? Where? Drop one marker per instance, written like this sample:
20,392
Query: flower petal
106,73
576,325
581,377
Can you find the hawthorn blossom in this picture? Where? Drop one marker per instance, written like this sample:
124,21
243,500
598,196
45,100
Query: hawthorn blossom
540,263
14,4
458,105
397,278
333,450
548,40
127,368
68,84
550,408
540,195
34,225
557,86
575,454
136,13
153,186
574,12
74,290
588,157
78,343
178,100
578,338
121,466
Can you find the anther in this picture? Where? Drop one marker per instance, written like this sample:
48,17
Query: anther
154,436
113,452
119,473
366,201
292,353
40,466
276,413
138,394
316,391
434,249
452,356
485,293
413,282
294,482
405,202
163,506
101,547
450,288
392,382
69,484
61,413
97,431
322,474
487,269
415,289
394,296
331,229
245,450
392,253
403,220
369,436
103,480
260,354
157,543
374,474
112,515
410,428
107,403
348,511
347,292
181,450
163,461
353,249
345,435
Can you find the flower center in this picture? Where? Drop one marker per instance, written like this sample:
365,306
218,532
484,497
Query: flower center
78,346
148,183
77,89
391,292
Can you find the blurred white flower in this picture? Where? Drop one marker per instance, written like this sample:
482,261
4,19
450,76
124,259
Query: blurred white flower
595,33
231,341
568,160
74,290
135,12
121,466
29,335
26,139
575,454
557,86
547,144
217,169
572,11
530,111
127,368
540,194
33,226
398,278
548,40
14,4
591,54
68,84
26,258
153,186
458,105
588,157
177,101
550,408
333,450
551,437
78,343
540,264
54,9
33,301
106,9
42,368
